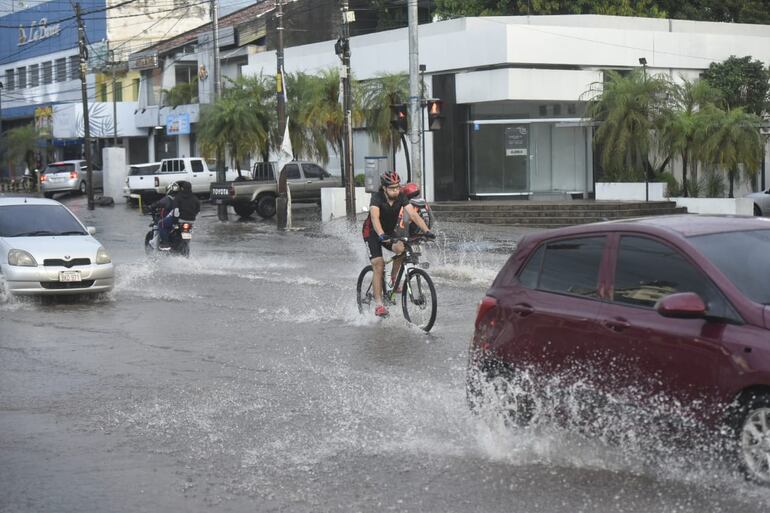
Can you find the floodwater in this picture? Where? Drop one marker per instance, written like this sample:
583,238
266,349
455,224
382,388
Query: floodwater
244,379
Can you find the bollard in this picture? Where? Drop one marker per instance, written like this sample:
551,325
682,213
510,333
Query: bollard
281,210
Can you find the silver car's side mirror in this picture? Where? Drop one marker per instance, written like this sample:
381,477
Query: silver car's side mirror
91,230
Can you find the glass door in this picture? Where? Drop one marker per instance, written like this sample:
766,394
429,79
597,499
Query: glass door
499,158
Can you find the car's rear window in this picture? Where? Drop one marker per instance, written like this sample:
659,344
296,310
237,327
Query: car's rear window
59,168
37,221
143,170
742,256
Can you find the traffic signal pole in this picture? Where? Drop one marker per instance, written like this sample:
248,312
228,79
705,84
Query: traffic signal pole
414,94
350,182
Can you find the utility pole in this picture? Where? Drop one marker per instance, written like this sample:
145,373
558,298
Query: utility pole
221,176
414,94
347,168
279,78
114,101
84,92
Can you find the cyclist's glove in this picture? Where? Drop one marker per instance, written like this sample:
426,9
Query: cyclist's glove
430,235
384,238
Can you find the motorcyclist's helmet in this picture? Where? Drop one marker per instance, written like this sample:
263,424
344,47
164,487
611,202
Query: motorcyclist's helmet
172,188
390,178
411,190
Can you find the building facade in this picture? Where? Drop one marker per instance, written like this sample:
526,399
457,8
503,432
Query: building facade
515,90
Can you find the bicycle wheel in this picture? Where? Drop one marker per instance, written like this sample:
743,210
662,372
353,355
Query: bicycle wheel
418,299
365,290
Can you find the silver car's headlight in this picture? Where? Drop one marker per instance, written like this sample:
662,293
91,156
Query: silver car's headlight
102,257
21,258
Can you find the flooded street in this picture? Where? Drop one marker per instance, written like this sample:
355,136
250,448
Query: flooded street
244,379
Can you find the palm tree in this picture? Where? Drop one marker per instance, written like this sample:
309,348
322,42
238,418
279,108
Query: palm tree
689,101
239,121
303,109
377,95
628,108
19,144
731,140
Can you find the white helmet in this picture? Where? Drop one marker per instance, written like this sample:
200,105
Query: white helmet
172,188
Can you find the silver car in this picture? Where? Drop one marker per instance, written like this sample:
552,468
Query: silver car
68,176
45,249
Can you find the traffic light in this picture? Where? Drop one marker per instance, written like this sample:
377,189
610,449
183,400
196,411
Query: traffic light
398,118
435,114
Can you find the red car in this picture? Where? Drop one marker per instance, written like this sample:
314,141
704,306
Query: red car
668,314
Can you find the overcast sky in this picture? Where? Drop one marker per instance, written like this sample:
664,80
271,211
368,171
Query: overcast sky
9,6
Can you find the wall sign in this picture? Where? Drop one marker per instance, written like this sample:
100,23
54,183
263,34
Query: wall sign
178,124
37,31
516,140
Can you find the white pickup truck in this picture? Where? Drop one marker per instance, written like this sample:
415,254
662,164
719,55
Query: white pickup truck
190,169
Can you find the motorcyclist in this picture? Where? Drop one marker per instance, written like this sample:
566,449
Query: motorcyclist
178,203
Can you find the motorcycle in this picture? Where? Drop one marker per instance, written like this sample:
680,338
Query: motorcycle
179,237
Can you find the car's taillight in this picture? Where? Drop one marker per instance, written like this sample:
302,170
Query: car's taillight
186,227
485,305
73,175
43,178
157,182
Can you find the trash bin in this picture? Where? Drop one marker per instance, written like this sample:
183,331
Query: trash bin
374,168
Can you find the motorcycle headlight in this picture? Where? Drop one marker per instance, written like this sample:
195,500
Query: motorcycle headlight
102,257
21,258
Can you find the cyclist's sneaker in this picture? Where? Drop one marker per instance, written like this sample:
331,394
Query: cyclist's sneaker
381,311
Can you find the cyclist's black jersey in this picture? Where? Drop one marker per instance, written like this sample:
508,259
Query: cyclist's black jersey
389,214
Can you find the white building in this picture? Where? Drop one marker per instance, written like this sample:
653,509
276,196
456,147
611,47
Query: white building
514,90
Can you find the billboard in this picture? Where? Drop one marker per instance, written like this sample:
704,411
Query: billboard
48,28
178,124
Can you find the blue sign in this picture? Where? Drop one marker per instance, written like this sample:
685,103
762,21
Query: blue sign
49,27
178,124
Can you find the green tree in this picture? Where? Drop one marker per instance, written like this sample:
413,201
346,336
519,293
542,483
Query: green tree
377,95
238,122
629,108
19,144
743,82
690,101
457,8
181,94
732,140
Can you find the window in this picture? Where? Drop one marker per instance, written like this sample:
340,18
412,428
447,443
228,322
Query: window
103,92
571,266
61,70
21,75
118,91
9,80
313,171
292,171
172,166
197,166
648,270
135,89
47,72
74,67
529,275
34,75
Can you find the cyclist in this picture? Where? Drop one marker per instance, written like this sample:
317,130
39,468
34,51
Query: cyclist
388,209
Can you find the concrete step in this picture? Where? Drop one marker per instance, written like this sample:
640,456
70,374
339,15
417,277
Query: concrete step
617,214
547,206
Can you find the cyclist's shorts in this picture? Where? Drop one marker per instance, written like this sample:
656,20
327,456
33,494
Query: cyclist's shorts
374,245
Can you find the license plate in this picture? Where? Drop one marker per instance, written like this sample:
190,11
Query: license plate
220,192
186,235
69,276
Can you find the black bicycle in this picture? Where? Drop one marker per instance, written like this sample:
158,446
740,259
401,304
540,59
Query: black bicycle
418,294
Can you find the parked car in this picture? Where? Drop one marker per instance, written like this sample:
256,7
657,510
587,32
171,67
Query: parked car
761,202
45,249
669,315
258,193
68,176
194,170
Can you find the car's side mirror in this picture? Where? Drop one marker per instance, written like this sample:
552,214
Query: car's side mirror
91,230
685,305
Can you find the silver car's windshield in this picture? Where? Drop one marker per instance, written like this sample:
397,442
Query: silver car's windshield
37,221
742,256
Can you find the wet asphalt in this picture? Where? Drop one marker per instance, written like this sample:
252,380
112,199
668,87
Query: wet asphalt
244,379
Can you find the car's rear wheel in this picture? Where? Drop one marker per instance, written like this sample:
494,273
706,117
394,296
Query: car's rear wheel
495,390
757,210
83,187
48,195
266,206
753,439
244,209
